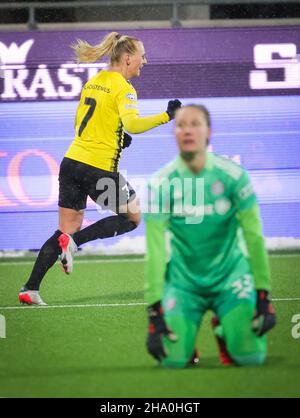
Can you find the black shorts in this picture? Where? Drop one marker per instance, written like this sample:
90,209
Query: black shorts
77,181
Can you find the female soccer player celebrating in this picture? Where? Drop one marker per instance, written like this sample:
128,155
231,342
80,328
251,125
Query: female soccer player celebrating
207,204
108,104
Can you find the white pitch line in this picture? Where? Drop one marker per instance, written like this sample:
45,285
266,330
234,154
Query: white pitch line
93,305
105,305
119,260
77,261
284,255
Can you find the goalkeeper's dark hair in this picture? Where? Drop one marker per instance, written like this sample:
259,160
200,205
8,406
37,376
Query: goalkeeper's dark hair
113,45
203,110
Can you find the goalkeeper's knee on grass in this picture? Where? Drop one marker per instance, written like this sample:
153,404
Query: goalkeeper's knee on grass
243,345
254,359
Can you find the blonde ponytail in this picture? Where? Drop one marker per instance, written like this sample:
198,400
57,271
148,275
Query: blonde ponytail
112,45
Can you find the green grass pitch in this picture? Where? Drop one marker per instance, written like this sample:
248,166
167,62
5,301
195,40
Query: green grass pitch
96,346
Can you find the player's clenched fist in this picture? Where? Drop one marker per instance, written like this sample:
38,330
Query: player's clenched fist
173,105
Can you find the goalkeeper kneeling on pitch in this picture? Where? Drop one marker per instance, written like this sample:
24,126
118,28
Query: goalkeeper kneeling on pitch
216,260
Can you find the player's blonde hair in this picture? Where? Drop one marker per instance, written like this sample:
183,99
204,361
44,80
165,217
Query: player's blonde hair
113,45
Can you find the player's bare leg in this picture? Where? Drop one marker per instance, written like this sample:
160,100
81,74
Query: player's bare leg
133,211
70,220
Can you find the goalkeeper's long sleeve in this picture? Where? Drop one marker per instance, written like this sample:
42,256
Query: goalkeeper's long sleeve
134,124
258,257
156,260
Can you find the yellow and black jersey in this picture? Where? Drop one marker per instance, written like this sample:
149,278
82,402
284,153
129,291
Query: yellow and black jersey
108,103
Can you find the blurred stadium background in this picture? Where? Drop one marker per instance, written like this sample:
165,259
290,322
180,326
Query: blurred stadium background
239,58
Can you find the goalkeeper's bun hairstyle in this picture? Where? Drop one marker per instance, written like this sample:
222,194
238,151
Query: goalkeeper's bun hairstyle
113,45
203,110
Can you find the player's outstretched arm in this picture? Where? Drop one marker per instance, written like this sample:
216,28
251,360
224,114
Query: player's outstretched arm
135,124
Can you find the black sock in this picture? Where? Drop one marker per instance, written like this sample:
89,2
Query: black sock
47,257
105,228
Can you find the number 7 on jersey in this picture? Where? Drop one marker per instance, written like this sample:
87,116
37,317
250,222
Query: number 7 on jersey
92,106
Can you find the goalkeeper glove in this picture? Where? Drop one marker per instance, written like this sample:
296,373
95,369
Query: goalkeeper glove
157,329
265,317
173,105
126,140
